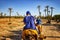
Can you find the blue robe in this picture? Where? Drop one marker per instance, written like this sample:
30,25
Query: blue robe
29,21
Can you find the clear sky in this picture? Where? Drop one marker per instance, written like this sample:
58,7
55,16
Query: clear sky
21,6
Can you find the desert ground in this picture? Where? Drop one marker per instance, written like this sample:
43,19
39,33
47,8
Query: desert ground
13,31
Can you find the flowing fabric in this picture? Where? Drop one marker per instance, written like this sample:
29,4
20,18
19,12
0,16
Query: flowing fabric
29,21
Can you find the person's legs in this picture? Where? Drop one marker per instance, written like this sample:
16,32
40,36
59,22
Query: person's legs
39,29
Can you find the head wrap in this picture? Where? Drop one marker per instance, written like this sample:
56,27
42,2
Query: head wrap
28,13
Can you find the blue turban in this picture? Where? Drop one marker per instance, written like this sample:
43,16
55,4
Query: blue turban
28,12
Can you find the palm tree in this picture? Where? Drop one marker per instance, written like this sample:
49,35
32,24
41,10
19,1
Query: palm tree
10,9
39,10
5,14
17,13
51,10
47,9
1,14
45,12
48,13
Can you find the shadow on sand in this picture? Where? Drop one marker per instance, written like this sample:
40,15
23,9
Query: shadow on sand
56,29
17,35
55,25
53,36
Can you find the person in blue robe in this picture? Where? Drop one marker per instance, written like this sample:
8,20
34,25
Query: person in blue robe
29,21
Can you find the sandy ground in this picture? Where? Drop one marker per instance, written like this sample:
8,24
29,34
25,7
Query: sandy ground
13,31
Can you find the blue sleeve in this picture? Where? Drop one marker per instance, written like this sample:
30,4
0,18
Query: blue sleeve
24,20
33,18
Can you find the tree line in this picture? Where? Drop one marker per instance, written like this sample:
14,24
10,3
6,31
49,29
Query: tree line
48,14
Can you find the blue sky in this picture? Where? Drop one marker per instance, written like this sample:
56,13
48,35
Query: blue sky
21,6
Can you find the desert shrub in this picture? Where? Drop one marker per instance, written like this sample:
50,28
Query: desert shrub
11,17
48,17
56,17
